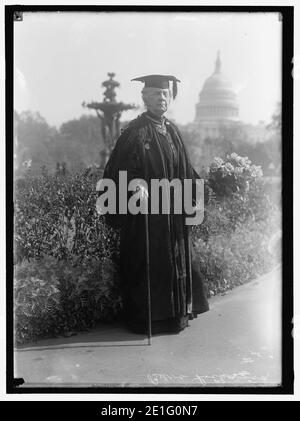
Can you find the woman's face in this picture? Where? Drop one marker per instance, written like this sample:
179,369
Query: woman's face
157,100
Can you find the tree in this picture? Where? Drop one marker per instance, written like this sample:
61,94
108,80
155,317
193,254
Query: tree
78,143
81,142
275,124
34,141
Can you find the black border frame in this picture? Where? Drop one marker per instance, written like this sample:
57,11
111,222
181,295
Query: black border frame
287,386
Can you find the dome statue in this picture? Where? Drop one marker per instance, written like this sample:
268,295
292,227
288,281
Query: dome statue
217,100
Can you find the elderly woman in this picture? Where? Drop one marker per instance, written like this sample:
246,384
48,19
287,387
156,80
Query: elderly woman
149,148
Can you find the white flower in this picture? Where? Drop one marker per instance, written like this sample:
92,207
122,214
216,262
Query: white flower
229,168
238,170
256,171
218,161
216,164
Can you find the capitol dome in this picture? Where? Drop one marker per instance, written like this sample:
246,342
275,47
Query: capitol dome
217,100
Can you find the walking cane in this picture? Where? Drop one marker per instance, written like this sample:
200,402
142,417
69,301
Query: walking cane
147,257
148,275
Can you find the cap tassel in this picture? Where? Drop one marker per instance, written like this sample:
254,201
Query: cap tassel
174,88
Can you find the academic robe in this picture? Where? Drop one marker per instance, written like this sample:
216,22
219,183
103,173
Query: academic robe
177,287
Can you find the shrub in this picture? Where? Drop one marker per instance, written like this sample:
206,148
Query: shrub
233,241
240,193
54,297
233,175
60,240
36,299
231,259
56,216
66,276
89,293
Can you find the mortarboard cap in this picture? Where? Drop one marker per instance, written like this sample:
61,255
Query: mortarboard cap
159,81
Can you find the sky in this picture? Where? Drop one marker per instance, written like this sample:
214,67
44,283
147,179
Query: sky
61,59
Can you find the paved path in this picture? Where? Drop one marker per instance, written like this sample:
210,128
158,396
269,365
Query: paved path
238,342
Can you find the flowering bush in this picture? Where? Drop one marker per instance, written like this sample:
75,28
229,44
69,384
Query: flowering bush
239,191
233,175
232,243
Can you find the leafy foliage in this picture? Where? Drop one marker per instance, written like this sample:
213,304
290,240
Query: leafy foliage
66,276
233,241
36,299
54,297
232,258
60,240
57,216
233,175
77,142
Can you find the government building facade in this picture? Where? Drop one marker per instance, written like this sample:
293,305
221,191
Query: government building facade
217,111
217,107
